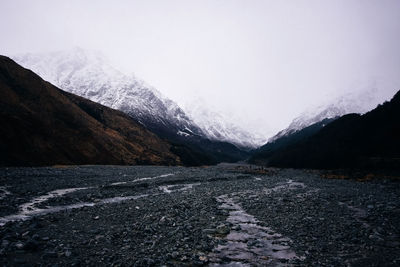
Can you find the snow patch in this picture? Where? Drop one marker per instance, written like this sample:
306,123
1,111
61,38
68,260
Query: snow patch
183,133
89,74
360,102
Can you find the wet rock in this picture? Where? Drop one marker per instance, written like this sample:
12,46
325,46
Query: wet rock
223,229
208,231
175,255
181,227
20,245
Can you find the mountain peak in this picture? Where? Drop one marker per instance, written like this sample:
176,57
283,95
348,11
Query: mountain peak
360,102
220,126
62,128
89,74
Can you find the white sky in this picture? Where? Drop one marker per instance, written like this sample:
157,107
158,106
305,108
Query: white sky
264,62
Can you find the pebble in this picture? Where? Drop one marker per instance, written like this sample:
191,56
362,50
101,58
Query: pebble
223,229
184,227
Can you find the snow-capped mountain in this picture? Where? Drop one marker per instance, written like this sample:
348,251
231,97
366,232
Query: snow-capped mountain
90,75
218,126
355,102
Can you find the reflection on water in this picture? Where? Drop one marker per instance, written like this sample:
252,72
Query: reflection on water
176,187
27,208
144,179
248,243
30,209
24,215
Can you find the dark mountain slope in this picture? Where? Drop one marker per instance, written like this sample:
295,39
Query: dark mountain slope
90,75
371,140
43,125
262,154
198,150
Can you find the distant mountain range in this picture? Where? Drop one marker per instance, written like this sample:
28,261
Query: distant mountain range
355,102
88,74
262,154
43,125
371,140
219,126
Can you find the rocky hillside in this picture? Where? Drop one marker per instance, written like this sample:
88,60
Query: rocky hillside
43,125
355,102
89,74
263,153
371,140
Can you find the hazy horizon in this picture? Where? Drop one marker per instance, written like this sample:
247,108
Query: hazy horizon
261,62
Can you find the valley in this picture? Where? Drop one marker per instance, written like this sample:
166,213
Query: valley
200,133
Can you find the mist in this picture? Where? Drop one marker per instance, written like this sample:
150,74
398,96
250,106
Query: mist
261,62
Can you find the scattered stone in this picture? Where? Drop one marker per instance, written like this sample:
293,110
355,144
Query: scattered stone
209,231
19,245
223,229
327,222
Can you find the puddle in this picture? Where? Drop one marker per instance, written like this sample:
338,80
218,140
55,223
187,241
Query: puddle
30,209
176,187
290,185
249,243
30,206
25,215
144,179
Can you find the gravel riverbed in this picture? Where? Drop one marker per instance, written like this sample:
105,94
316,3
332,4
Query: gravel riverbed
176,216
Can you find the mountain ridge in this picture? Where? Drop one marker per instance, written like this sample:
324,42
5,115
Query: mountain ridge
89,75
43,125
360,102
219,126
371,140
259,155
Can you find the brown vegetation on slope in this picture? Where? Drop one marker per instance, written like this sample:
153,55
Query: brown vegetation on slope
43,125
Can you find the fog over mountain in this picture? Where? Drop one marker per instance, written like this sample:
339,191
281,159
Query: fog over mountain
89,74
358,102
200,133
223,126
263,62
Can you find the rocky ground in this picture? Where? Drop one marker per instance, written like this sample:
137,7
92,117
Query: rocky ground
225,215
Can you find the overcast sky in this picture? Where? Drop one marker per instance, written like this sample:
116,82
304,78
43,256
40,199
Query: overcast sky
266,61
